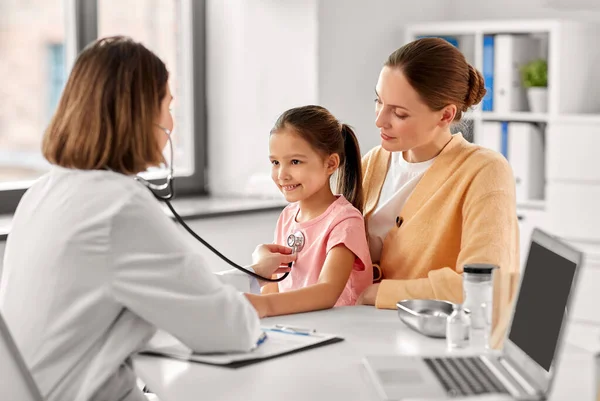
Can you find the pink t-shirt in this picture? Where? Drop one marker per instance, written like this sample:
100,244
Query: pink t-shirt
341,223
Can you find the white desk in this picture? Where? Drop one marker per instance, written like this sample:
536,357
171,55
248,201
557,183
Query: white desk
332,372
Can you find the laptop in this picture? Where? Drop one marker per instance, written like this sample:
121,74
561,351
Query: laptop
525,368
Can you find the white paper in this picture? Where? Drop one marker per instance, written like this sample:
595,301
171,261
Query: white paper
277,343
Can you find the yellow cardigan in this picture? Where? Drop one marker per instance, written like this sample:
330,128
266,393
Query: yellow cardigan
462,211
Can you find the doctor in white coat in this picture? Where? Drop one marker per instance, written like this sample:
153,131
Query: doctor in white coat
93,266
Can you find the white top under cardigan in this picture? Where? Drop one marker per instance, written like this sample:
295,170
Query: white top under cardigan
93,266
401,179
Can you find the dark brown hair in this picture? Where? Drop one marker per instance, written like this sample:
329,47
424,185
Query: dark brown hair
317,126
106,114
440,74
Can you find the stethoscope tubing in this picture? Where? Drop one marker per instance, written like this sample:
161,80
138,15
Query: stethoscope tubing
219,254
166,198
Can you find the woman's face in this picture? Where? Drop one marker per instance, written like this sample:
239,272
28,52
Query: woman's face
165,119
405,122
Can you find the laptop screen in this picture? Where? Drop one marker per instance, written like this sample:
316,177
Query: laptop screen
541,304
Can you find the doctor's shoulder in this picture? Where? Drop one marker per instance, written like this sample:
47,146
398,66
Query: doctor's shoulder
125,194
123,185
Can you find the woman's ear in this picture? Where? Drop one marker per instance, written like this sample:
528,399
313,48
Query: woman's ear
448,114
332,163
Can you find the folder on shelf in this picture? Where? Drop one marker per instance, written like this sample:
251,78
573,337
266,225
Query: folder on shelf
526,157
450,39
504,148
279,341
464,43
488,73
523,146
510,53
490,136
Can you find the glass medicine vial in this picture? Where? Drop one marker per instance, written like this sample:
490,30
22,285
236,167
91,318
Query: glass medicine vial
457,328
478,290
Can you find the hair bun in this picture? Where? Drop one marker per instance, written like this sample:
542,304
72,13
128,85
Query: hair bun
476,90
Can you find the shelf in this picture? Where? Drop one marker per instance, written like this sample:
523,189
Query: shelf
485,27
515,116
583,118
524,116
521,116
532,204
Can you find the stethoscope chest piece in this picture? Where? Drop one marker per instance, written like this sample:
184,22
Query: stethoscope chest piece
296,241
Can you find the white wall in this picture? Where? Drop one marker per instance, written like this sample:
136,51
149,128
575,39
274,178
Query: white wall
235,236
265,56
261,60
355,38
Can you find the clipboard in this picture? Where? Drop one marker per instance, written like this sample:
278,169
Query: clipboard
279,341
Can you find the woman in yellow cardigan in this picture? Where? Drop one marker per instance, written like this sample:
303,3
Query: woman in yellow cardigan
434,201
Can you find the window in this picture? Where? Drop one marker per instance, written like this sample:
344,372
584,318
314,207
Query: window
29,75
38,41
157,25
57,75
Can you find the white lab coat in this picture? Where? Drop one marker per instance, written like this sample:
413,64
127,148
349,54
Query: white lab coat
92,267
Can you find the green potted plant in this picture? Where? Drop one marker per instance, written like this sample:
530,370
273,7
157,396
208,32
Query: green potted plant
534,77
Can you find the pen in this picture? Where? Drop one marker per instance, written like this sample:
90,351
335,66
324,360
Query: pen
288,332
297,330
261,339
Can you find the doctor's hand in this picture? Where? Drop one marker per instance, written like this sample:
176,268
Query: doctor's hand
270,259
369,295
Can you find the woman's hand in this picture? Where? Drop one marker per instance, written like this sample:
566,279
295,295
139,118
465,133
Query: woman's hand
269,259
369,295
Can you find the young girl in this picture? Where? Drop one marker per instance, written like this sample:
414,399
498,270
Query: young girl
307,146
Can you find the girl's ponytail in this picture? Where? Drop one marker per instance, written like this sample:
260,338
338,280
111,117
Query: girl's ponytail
349,181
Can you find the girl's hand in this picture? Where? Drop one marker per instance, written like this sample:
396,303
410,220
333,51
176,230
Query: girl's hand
270,259
260,303
369,295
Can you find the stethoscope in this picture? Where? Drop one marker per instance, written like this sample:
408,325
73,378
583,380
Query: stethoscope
297,239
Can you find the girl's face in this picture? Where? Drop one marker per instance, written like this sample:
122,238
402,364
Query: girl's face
405,122
296,168
165,119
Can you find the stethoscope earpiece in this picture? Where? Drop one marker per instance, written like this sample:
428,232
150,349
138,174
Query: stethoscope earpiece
168,184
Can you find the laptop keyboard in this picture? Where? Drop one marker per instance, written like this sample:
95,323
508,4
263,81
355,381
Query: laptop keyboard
465,376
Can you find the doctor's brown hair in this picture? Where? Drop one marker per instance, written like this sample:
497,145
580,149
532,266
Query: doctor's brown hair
106,114
324,133
440,74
